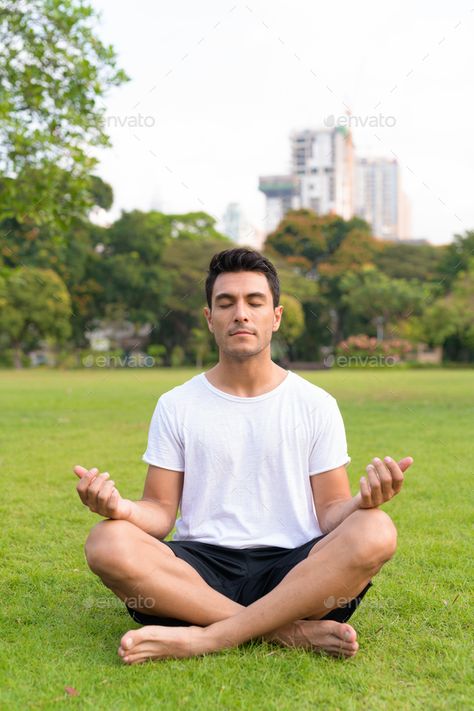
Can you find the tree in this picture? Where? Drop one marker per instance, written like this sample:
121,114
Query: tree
54,72
200,344
399,260
379,299
129,271
34,304
456,258
310,237
292,322
448,321
186,262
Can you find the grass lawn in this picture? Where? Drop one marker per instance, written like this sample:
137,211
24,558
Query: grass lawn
60,626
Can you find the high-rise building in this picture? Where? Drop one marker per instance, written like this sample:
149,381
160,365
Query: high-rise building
327,177
283,194
378,195
323,160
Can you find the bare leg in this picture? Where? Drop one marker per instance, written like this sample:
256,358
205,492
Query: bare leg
351,555
147,575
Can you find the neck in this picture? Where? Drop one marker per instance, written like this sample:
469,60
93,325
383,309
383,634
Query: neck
246,377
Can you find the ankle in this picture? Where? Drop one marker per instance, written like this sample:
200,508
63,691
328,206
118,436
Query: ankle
204,640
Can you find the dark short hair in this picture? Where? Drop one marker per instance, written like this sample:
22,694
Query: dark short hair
242,259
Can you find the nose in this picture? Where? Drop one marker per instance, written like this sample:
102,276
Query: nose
240,314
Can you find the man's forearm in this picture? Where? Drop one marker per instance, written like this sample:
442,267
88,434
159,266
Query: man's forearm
151,517
338,512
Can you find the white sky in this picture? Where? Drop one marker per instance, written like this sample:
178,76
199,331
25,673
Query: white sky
218,86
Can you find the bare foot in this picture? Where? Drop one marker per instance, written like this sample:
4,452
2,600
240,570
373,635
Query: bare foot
160,642
335,638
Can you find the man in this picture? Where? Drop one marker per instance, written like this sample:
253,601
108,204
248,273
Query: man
270,543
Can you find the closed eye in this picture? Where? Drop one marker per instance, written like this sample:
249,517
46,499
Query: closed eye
226,306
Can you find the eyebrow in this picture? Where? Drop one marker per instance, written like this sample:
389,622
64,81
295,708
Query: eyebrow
258,294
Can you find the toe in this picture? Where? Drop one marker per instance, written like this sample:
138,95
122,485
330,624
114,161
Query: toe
347,633
130,639
137,658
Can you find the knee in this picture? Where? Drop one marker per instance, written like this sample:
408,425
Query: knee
375,538
107,545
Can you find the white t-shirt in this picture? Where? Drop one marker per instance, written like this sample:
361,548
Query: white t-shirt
247,461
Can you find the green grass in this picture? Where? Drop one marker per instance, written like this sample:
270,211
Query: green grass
60,627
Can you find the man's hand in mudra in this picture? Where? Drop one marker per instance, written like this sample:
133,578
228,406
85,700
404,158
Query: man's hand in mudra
99,494
383,481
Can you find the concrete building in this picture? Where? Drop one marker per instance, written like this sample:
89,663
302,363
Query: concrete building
378,195
323,160
321,179
283,194
327,177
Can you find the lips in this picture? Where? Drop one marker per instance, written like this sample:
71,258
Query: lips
243,333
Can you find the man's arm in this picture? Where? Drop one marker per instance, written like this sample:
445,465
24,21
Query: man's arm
155,513
332,495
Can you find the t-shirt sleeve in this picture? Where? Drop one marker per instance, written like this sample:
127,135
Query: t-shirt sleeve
165,448
329,448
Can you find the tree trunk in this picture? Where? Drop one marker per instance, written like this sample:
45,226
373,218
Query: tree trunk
17,353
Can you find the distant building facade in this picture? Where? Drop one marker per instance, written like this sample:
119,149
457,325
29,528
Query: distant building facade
324,162
328,178
378,195
283,194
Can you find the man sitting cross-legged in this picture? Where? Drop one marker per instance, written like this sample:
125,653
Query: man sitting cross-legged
269,542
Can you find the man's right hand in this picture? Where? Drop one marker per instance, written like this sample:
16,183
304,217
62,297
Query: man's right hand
98,493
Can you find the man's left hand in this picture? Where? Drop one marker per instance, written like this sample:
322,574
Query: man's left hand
383,481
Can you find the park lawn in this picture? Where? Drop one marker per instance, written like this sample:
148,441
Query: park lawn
60,627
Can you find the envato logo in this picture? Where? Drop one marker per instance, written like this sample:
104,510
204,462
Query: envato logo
333,601
372,121
128,121
114,361
370,361
106,602
375,603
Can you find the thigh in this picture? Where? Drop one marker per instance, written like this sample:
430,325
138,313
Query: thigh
221,568
345,609
277,563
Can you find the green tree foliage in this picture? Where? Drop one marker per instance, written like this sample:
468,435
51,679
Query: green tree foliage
293,322
186,262
400,260
457,257
448,321
199,344
34,305
379,299
130,272
54,73
321,249
306,239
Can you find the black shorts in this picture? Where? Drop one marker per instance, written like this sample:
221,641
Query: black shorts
244,574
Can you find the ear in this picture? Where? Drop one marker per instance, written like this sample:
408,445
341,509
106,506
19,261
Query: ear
208,317
278,312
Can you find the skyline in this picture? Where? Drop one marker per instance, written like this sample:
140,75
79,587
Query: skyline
216,91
